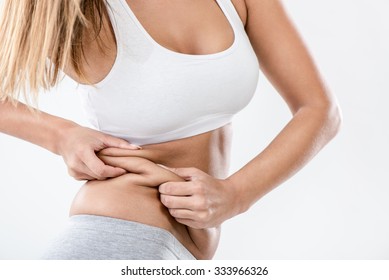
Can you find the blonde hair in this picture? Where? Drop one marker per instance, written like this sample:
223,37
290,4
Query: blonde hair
33,31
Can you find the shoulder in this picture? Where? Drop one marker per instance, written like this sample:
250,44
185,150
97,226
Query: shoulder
241,9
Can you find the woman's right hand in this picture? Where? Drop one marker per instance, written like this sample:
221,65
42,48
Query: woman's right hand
78,146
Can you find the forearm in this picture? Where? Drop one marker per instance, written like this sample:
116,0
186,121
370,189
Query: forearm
304,136
38,128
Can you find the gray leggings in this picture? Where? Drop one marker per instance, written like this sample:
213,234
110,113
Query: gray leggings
91,237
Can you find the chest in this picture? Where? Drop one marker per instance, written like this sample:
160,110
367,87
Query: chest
188,27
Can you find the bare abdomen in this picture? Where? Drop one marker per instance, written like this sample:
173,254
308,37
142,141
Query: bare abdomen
133,196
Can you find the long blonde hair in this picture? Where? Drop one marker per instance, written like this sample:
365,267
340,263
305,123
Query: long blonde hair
33,31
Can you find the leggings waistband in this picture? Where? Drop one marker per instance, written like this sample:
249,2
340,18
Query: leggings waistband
100,237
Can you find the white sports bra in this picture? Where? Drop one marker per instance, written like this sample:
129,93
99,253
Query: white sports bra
153,94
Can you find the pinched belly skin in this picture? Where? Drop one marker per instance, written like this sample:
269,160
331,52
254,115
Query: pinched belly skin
134,196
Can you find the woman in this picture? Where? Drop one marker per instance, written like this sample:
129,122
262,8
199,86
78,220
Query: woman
160,82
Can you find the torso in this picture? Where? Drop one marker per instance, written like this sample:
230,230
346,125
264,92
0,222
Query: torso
167,34
134,199
208,151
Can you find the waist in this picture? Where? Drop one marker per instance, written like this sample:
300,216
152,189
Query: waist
134,196
125,198
209,151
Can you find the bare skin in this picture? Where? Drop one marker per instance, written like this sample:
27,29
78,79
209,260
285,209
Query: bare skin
134,196
194,197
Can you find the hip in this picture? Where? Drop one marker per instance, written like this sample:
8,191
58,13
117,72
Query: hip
92,237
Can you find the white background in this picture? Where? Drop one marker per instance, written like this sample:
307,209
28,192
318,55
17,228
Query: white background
335,208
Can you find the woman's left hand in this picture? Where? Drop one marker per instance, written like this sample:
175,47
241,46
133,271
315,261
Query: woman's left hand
202,201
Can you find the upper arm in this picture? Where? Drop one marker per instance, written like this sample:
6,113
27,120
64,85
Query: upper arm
282,55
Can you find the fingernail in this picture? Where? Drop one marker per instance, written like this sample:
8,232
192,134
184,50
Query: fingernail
136,147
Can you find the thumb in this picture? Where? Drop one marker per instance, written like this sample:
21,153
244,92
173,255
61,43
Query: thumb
115,142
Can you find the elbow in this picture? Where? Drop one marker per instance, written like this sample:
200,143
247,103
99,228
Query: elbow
333,119
326,116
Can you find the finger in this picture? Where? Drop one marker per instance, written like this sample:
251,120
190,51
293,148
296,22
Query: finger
79,176
139,165
99,169
82,174
188,173
177,188
190,223
111,141
118,152
182,214
178,202
88,173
